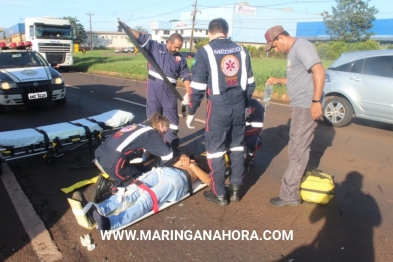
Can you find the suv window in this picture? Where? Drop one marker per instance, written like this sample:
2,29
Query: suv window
357,66
343,68
379,66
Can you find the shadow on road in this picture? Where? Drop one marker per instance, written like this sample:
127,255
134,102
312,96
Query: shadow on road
348,231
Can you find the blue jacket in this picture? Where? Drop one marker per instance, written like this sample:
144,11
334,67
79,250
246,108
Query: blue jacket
223,68
174,66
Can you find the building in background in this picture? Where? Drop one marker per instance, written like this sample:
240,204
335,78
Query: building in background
107,39
247,25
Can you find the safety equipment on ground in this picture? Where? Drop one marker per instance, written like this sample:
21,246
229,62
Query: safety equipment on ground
190,121
317,186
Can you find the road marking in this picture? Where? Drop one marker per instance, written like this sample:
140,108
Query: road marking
41,241
127,101
138,104
75,87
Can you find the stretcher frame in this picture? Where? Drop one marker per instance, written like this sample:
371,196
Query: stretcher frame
56,140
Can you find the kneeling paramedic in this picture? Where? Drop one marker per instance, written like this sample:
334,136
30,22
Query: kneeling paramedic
122,155
255,113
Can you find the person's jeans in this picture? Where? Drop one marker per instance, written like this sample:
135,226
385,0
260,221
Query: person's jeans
169,185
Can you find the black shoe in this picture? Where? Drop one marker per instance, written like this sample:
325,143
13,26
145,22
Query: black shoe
103,222
278,202
89,214
235,193
219,200
103,186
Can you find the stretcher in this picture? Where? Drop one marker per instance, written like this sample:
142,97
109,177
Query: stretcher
86,222
58,139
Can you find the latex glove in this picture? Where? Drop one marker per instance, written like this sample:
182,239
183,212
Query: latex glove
189,121
248,112
185,100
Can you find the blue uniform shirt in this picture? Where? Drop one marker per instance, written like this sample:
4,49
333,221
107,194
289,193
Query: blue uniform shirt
223,68
174,66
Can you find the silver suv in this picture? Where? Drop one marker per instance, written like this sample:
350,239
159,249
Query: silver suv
360,84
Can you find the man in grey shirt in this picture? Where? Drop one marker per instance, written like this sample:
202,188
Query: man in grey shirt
305,82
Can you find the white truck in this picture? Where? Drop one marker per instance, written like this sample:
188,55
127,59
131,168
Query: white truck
51,37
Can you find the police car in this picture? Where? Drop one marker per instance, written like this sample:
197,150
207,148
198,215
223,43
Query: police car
26,78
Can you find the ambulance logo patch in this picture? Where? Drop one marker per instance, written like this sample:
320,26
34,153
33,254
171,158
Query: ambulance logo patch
128,128
177,59
230,65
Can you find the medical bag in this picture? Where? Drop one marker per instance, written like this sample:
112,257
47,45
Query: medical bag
317,186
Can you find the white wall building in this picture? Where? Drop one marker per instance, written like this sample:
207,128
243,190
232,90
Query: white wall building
108,39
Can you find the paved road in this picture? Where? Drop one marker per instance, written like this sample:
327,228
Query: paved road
355,226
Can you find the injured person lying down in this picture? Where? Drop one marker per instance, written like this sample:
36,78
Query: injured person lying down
151,190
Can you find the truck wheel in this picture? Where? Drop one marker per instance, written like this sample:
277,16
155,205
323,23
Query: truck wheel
337,111
61,102
66,69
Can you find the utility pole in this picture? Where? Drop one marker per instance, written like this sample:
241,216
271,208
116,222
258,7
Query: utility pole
193,14
91,34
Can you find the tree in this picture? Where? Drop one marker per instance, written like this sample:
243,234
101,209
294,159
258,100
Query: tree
80,32
350,21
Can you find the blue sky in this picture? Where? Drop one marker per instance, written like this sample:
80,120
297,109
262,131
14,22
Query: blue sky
141,13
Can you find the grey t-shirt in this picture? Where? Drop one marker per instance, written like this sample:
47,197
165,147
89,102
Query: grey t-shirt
301,58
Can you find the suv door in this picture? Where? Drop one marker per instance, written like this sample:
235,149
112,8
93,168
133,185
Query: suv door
375,86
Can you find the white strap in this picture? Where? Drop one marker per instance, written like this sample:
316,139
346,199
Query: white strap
214,69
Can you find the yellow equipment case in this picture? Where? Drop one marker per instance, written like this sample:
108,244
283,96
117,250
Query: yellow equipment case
316,186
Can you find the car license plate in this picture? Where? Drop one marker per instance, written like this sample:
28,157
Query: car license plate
37,95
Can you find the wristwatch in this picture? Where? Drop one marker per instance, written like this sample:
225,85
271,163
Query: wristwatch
316,101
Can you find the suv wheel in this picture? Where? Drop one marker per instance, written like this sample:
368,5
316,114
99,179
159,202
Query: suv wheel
337,111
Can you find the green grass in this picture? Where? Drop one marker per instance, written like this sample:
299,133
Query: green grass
107,62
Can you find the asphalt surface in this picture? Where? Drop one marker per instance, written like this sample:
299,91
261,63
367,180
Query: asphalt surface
355,225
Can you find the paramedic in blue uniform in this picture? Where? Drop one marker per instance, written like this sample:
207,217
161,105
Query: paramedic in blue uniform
255,114
122,154
223,69
160,98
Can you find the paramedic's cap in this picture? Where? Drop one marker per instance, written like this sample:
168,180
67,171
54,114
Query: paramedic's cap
270,34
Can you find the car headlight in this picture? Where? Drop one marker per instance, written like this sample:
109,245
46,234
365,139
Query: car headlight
327,78
57,80
8,85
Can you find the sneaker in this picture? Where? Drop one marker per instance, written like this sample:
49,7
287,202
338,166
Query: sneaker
103,186
235,193
219,200
278,202
78,196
